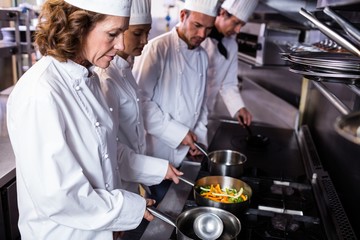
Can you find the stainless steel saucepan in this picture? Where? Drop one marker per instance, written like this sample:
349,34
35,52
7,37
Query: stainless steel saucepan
224,162
184,223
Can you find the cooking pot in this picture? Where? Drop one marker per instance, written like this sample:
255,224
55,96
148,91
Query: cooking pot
224,162
224,182
184,222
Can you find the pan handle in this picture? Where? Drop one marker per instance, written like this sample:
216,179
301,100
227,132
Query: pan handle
186,181
161,216
201,149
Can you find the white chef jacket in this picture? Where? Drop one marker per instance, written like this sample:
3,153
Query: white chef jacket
68,163
222,75
122,95
173,78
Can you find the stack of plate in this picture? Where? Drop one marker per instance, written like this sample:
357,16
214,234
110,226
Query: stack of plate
325,66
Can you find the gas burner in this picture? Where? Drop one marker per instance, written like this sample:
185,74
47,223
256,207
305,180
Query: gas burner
282,190
284,222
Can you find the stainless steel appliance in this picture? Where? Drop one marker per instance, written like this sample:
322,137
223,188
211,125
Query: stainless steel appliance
260,43
290,187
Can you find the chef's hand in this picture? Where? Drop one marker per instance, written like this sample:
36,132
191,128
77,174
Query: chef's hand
245,115
147,215
172,174
189,140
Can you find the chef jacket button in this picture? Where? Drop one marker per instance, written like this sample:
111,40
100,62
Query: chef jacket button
138,123
107,185
117,139
111,109
97,124
137,99
77,88
117,168
106,156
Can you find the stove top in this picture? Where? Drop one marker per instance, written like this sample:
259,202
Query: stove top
280,158
278,210
282,204
293,196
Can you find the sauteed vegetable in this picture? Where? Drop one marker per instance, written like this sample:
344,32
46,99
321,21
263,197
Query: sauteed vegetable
226,195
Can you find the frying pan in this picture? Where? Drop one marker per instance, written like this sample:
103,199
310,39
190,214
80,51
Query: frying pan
224,162
184,222
256,140
225,182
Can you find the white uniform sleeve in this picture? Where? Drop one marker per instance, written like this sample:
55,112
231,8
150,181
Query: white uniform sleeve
229,90
140,168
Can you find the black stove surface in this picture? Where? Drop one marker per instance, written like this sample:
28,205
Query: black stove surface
280,158
282,205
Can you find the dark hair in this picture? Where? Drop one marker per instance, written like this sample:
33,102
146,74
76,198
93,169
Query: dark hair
61,29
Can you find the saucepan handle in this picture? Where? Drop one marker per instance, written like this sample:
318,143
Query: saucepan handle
161,216
201,149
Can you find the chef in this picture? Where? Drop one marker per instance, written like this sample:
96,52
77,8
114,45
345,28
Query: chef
120,88
69,166
171,73
221,47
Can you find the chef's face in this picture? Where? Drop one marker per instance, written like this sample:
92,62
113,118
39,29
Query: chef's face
228,24
135,38
194,27
104,40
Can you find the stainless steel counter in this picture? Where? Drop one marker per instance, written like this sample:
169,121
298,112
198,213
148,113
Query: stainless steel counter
7,161
172,204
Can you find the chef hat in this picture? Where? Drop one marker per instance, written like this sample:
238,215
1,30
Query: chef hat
242,9
208,7
140,12
109,7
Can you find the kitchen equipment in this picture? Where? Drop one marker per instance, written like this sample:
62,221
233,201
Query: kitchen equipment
352,31
257,140
208,226
185,221
325,66
330,33
348,126
224,162
224,182
260,43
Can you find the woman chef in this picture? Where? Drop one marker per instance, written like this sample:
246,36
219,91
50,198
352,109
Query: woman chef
120,88
69,165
